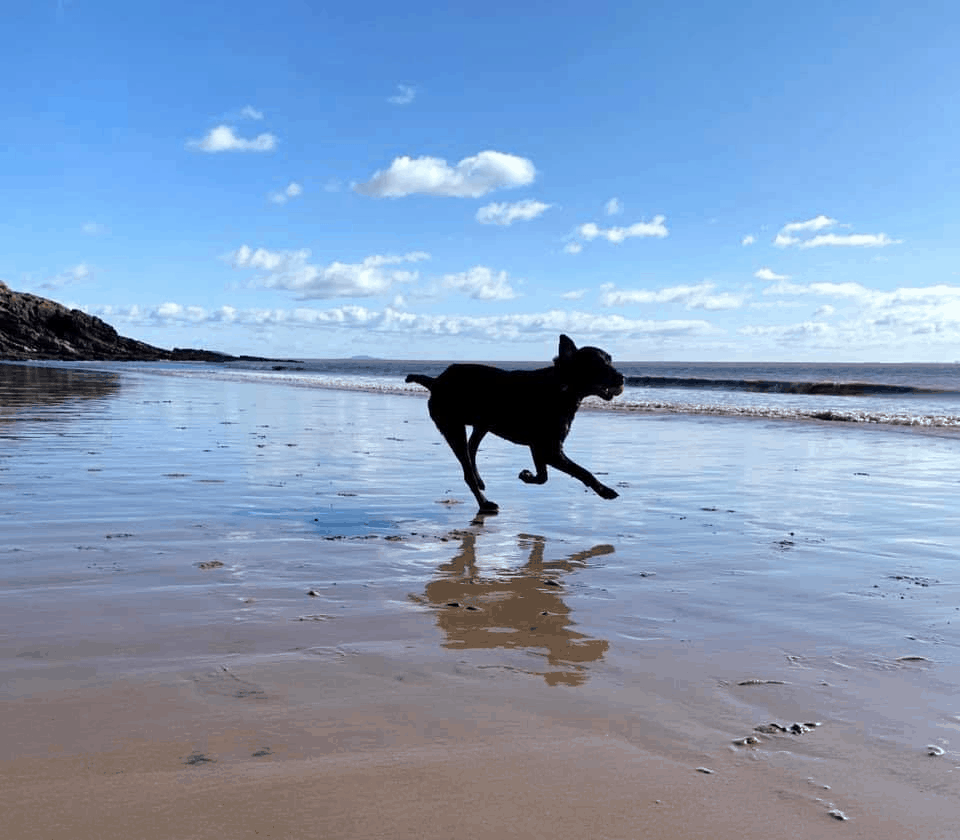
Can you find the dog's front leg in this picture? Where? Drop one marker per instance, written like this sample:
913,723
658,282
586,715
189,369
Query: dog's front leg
540,463
559,460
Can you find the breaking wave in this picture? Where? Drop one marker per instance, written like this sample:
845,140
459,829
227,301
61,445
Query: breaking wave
774,386
790,413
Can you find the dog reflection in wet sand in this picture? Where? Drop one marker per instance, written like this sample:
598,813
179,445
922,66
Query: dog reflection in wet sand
530,407
521,609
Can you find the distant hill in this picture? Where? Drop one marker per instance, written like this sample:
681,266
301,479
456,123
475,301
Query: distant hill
33,327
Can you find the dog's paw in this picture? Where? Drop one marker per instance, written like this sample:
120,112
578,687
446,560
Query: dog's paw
489,507
526,476
607,492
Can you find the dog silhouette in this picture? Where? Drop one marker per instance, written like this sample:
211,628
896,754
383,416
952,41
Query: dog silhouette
532,408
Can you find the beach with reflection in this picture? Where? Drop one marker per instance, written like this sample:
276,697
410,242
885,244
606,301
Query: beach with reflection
24,387
251,594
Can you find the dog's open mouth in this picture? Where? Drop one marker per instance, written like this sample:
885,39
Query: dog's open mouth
608,392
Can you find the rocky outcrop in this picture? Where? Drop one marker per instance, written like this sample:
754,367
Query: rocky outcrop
33,327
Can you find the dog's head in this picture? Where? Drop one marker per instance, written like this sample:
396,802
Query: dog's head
588,370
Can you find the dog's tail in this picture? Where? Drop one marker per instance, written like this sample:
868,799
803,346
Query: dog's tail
420,379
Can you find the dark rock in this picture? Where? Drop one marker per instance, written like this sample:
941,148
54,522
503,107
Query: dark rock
32,328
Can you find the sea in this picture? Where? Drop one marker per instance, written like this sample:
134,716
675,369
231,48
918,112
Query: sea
925,397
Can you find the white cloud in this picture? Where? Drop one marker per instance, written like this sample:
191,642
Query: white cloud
859,240
785,287
223,139
782,240
480,283
933,296
576,294
291,190
95,229
809,226
749,239
506,214
472,177
532,326
850,319
75,274
404,96
655,228
780,304
290,271
246,257
769,274
177,312
789,332
251,113
572,248
785,238
613,207
844,290
700,296
882,318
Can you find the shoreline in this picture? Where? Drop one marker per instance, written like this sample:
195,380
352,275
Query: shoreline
571,661
922,410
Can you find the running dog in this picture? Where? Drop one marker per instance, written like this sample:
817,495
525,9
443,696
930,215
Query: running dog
532,408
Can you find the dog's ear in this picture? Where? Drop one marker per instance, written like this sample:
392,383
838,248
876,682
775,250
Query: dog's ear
567,349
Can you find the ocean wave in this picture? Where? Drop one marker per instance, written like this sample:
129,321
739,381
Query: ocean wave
778,386
766,412
630,403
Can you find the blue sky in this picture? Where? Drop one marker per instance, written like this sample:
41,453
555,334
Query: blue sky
707,181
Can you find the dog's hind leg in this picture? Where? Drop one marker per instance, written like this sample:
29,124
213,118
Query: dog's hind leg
472,446
456,436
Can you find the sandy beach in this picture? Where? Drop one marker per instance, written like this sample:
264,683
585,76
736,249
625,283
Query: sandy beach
233,610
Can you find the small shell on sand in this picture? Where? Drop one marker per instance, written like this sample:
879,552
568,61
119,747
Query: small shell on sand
933,749
748,741
706,770
837,814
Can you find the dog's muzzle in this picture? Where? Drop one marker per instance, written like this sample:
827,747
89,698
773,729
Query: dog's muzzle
610,391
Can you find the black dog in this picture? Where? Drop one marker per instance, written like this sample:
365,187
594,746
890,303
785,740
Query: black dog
531,407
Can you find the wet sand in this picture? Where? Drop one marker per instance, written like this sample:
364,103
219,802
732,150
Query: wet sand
237,610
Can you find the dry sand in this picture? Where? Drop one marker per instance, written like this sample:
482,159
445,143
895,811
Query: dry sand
230,610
